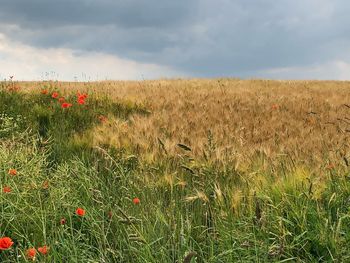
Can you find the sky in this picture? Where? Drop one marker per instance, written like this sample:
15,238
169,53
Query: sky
147,39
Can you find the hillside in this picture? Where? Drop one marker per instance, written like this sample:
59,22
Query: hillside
200,170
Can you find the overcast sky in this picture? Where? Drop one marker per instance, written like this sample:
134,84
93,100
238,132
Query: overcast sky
143,39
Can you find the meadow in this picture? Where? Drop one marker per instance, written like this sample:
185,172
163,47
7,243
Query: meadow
201,170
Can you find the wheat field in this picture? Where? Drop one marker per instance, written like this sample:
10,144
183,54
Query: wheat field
304,120
198,170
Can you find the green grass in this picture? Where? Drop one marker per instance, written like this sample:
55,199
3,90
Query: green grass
283,218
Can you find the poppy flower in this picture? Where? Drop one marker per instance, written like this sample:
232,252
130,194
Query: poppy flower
55,95
110,214
274,107
43,250
80,211
45,184
6,189
63,221
61,100
44,91
136,201
81,101
66,105
102,118
5,243
31,253
81,96
12,172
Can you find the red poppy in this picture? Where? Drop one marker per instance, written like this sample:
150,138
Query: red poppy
66,105
55,95
61,100
63,221
274,107
45,184
81,96
12,171
44,91
136,201
43,250
31,253
6,189
102,118
81,101
5,243
80,211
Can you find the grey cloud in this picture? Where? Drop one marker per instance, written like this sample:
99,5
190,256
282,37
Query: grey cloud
201,37
130,13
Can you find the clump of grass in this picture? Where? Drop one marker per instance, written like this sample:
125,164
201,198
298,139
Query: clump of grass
58,126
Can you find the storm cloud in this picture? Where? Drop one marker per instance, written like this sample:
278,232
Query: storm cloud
199,38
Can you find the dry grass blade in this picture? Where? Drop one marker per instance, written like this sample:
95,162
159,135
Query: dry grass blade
184,147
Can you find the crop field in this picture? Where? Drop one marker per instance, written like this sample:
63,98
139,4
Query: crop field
199,170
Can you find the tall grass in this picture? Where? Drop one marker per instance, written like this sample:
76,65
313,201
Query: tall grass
192,209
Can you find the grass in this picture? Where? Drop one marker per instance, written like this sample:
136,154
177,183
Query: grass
239,116
198,203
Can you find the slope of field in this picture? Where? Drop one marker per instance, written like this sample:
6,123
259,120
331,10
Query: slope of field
305,120
175,171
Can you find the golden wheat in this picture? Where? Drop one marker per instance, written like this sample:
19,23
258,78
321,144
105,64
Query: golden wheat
227,118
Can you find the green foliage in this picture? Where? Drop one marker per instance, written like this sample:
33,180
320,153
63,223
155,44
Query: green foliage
9,126
190,211
58,126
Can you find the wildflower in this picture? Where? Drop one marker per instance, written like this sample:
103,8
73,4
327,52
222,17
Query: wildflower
43,250
81,98
6,189
55,95
45,184
110,214
12,172
80,211
63,221
61,100
136,201
66,105
5,243
31,253
44,91
102,118
274,107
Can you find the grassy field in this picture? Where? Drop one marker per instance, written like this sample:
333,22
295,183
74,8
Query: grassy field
175,171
